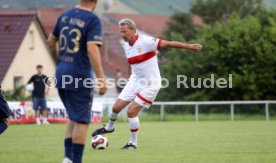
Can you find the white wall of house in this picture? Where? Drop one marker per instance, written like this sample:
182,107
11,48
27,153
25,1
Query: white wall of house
32,51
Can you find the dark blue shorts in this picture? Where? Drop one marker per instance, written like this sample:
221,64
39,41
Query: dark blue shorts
5,111
78,104
39,103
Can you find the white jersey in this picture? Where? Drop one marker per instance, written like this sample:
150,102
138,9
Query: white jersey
142,56
145,80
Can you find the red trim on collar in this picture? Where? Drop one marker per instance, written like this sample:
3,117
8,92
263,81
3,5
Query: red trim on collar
136,38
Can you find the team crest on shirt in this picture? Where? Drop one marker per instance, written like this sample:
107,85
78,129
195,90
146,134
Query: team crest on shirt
64,19
139,49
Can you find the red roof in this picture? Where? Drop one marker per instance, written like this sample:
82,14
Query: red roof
49,16
151,24
198,21
113,55
13,27
16,12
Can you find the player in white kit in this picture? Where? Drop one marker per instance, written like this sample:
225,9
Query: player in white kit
145,79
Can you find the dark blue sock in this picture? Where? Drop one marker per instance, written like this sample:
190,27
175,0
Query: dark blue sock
68,148
77,153
3,127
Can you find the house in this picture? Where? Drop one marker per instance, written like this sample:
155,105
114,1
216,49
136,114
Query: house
113,57
153,25
48,17
22,47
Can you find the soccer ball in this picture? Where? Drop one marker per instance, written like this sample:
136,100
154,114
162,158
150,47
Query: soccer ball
29,87
99,142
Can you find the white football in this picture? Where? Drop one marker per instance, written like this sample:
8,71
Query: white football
99,142
29,87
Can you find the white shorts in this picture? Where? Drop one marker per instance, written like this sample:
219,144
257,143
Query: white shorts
144,96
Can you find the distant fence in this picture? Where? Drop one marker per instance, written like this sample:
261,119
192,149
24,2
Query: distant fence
197,105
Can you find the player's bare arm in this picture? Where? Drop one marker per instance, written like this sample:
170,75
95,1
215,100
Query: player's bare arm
176,44
7,121
129,70
52,42
95,60
47,91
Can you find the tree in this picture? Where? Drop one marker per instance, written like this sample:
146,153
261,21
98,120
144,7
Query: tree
214,10
16,95
244,47
181,24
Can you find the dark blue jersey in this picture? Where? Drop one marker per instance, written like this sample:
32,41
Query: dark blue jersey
39,85
5,111
75,29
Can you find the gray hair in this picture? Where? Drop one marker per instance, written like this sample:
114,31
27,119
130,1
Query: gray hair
130,23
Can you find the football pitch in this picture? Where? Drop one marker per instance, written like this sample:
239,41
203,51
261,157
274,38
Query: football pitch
168,142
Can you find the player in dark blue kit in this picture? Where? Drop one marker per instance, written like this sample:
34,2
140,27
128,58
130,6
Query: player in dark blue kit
78,33
39,94
5,113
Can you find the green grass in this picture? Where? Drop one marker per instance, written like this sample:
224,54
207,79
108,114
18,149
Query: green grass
225,141
202,117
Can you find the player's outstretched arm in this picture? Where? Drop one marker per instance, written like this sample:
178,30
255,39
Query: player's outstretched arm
176,44
47,91
95,60
52,44
129,70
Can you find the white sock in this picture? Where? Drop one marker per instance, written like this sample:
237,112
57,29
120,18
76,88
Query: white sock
134,126
112,120
45,119
37,120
